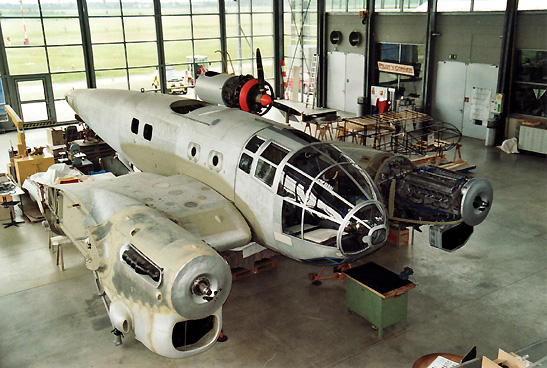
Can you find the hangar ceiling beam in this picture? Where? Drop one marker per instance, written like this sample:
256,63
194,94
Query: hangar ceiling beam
506,66
322,52
86,44
429,67
160,46
279,48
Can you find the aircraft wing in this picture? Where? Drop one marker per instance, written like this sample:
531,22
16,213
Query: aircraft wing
148,238
187,202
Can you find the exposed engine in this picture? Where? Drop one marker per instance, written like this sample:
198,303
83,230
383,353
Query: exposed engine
451,202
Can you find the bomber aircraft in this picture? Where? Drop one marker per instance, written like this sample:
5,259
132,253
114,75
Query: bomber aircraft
214,178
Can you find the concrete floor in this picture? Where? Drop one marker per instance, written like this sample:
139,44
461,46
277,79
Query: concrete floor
491,293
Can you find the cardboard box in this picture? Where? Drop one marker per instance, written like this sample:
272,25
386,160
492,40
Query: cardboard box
510,360
398,236
4,212
27,166
55,137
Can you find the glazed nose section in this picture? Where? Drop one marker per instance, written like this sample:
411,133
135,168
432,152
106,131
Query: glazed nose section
364,228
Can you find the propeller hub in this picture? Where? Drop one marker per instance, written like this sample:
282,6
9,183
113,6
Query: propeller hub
265,100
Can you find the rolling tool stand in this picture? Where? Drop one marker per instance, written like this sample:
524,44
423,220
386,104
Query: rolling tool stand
11,205
338,274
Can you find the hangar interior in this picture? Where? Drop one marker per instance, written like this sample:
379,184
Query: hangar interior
437,58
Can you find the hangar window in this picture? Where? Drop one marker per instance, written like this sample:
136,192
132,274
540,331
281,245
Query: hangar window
529,96
408,88
147,132
135,126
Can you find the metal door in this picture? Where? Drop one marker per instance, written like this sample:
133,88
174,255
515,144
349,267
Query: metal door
336,80
449,95
345,81
33,99
355,81
480,76
454,91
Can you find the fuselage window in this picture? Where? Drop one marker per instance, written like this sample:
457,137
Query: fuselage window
147,132
245,163
265,171
254,144
268,161
274,153
135,126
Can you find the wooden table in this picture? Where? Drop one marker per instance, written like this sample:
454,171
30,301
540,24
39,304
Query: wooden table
379,126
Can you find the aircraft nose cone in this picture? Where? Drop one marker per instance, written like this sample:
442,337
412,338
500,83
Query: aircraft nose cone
201,286
477,197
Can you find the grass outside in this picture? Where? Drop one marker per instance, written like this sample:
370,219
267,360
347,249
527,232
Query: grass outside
141,43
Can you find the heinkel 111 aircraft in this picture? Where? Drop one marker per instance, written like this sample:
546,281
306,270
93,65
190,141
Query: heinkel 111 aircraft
213,178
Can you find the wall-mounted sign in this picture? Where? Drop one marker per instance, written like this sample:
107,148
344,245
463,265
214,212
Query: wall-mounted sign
396,68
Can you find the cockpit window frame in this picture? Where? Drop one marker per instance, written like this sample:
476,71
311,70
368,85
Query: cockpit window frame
266,174
288,190
254,144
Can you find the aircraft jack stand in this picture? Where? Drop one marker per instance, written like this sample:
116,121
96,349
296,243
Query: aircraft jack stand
117,336
337,270
222,337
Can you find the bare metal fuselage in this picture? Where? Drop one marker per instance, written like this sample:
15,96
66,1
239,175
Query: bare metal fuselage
169,135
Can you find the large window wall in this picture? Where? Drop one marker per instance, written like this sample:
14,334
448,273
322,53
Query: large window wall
124,43
249,25
300,33
191,36
48,47
43,37
451,5
116,45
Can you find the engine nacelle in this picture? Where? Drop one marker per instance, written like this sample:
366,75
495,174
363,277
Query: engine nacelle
238,91
163,283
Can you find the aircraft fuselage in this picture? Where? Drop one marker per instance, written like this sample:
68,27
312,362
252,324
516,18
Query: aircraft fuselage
302,198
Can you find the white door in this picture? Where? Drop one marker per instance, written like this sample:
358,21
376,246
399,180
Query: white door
355,81
450,92
454,93
345,81
336,80
478,76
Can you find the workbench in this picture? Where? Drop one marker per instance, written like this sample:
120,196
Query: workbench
378,295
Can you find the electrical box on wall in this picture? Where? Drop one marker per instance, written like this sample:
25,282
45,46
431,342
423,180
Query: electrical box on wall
452,56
